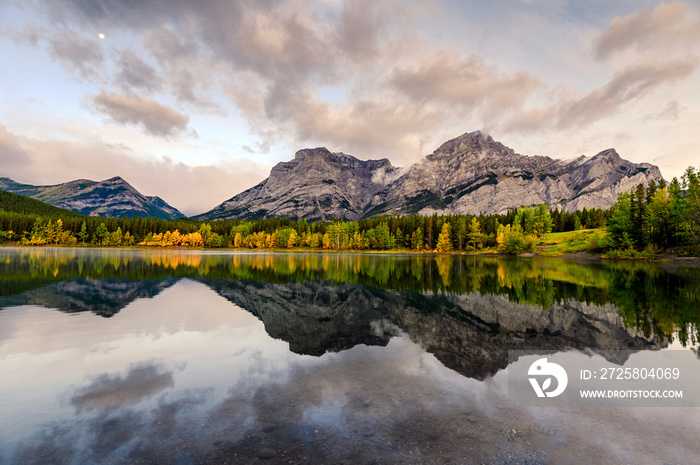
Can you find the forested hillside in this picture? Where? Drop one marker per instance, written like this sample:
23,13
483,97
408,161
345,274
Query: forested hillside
11,202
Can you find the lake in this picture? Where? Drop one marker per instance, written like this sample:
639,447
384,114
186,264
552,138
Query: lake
197,357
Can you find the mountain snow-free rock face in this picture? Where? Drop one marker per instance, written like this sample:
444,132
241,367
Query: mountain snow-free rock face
474,174
470,174
112,197
317,184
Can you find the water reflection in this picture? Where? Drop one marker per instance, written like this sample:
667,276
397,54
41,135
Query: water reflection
319,359
110,392
469,333
657,300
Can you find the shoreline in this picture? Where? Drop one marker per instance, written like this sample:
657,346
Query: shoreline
661,258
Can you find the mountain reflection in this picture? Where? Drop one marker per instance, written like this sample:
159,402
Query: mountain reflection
468,311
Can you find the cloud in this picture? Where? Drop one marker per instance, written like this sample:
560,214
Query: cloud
79,54
568,111
137,73
671,112
272,38
531,119
170,47
11,152
371,126
30,35
273,53
109,392
462,81
158,119
358,27
668,22
630,84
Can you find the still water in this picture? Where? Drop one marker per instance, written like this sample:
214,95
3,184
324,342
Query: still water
135,356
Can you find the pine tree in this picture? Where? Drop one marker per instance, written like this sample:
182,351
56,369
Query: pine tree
476,238
543,221
417,239
399,238
638,207
83,234
101,234
461,230
429,232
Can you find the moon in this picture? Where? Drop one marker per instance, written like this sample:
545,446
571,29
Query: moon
101,36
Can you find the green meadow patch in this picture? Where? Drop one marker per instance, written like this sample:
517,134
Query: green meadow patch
564,243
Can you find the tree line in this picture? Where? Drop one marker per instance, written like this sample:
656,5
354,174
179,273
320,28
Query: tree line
513,232
657,217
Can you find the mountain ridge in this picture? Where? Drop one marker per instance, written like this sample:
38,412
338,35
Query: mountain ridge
469,174
315,184
113,197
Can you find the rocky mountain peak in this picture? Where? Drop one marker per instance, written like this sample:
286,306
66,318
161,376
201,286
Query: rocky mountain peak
318,152
608,155
115,180
471,144
323,160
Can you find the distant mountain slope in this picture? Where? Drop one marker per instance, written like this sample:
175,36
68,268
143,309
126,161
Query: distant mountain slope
112,197
470,174
11,202
317,184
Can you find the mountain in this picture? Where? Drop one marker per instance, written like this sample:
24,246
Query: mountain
474,174
470,174
317,184
112,197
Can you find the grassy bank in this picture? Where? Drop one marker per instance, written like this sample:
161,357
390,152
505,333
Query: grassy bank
566,243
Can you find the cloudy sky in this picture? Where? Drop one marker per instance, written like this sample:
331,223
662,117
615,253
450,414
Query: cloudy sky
195,101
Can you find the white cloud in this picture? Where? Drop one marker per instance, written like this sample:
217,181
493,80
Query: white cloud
667,25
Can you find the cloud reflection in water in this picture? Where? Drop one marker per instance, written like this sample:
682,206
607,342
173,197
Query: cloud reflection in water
187,376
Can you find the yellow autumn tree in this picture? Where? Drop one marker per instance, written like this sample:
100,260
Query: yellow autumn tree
444,243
